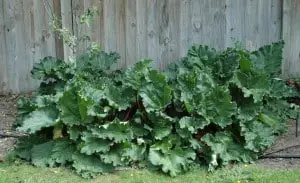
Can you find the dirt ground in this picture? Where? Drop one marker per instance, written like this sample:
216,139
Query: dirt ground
8,110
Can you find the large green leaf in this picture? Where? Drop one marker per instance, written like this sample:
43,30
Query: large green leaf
225,148
135,76
24,145
63,150
99,61
50,68
162,125
116,130
193,86
73,109
258,136
280,89
92,144
157,94
253,84
25,107
40,118
218,107
118,97
89,165
41,154
202,55
269,58
173,161
135,152
114,156
193,124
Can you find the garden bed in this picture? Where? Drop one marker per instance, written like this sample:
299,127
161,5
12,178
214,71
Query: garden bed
8,113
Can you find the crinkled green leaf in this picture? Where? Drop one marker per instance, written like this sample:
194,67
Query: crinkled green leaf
202,55
38,119
120,98
162,125
135,152
218,107
89,165
25,107
73,109
114,156
50,68
99,61
92,144
258,136
62,151
226,63
41,154
174,161
253,84
74,132
249,110
116,130
193,86
269,58
280,89
24,145
192,124
225,148
157,94
135,76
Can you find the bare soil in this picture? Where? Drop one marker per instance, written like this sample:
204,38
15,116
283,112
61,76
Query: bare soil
8,111
286,144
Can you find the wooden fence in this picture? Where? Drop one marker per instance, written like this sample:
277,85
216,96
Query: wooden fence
162,30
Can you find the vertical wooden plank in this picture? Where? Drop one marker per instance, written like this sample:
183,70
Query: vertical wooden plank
131,31
174,31
286,33
109,9
3,51
152,32
217,31
254,23
185,29
11,45
59,48
163,32
67,22
142,36
275,21
101,24
197,23
24,48
95,30
209,23
78,28
41,41
291,35
235,17
120,32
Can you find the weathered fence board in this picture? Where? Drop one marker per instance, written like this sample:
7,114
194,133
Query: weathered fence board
25,38
291,35
162,30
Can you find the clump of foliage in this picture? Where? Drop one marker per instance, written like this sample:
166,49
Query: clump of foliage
212,107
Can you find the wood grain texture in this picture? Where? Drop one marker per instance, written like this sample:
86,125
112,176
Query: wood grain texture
161,30
291,35
25,38
4,85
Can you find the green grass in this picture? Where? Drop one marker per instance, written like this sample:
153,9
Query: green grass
28,174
